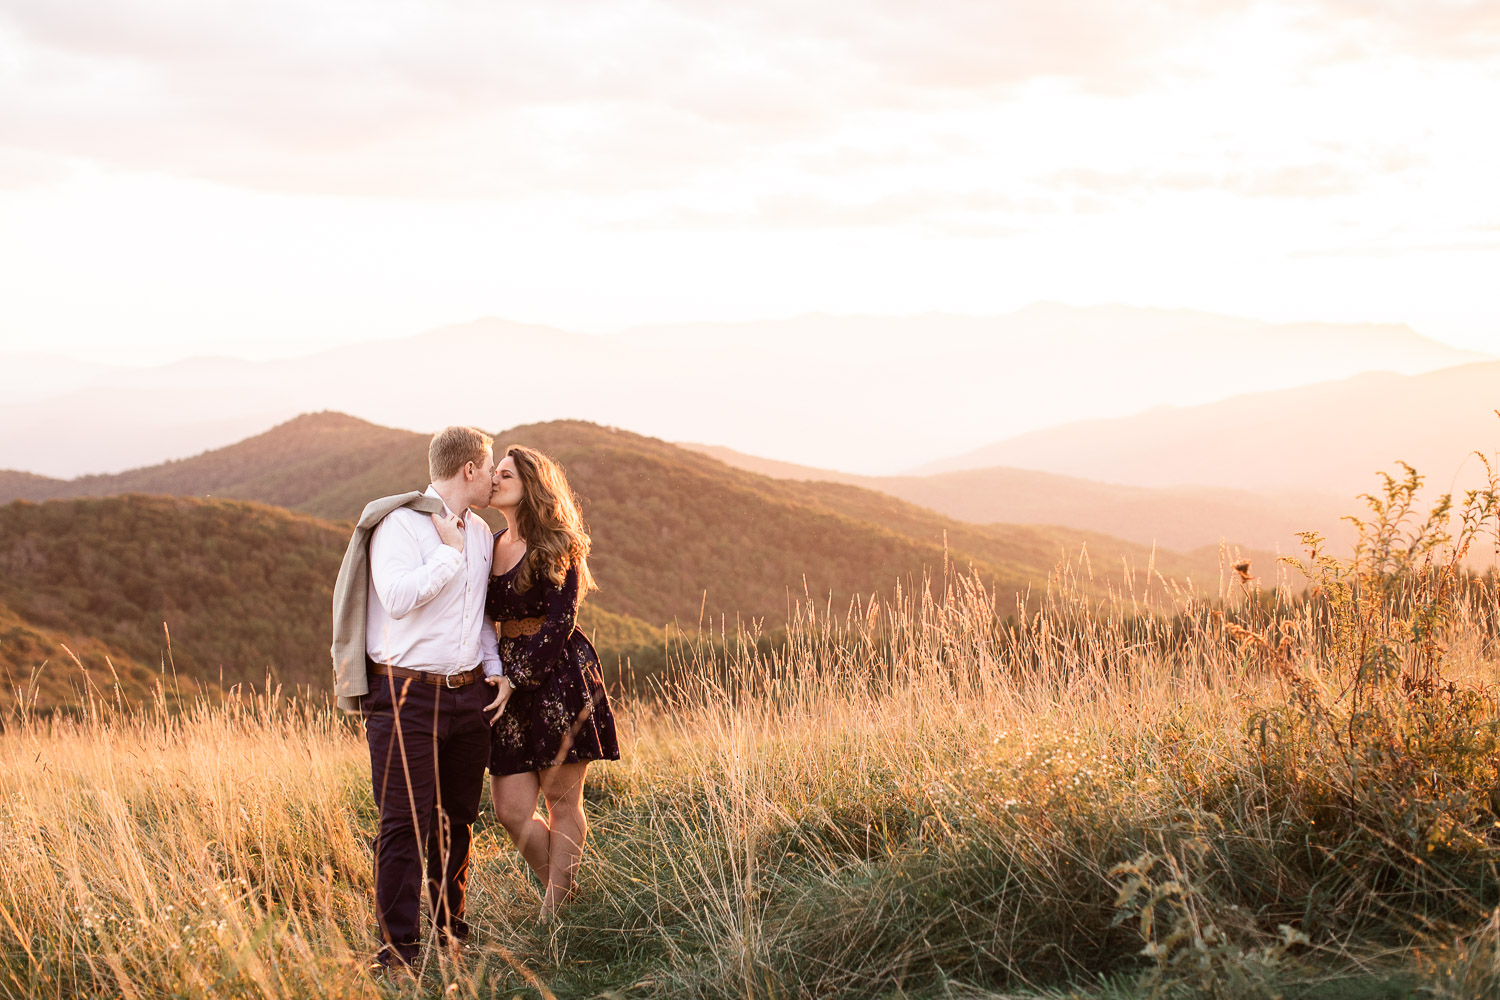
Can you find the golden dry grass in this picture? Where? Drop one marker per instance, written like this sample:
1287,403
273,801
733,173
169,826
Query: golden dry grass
922,795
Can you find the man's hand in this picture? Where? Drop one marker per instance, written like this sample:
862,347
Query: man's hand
449,531
503,688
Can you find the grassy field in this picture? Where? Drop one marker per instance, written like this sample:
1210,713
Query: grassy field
1256,792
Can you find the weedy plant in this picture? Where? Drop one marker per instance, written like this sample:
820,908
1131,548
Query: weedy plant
1195,942
1371,785
1390,759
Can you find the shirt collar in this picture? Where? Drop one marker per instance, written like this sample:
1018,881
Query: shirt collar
462,515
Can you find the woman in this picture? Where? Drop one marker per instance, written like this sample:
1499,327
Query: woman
557,718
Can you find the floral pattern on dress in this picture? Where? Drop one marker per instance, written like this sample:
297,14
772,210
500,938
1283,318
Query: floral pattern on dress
559,712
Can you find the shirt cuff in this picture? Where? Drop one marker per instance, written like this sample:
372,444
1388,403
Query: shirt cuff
489,650
448,556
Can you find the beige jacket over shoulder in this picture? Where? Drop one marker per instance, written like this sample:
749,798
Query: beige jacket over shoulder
351,680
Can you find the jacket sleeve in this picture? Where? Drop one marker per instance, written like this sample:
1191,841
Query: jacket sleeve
402,579
530,658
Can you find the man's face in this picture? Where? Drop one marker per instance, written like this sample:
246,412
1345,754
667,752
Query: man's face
483,481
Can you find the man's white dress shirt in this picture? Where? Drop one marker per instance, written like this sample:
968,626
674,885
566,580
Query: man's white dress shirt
426,599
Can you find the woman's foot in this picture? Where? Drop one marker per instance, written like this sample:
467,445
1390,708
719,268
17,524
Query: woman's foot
554,901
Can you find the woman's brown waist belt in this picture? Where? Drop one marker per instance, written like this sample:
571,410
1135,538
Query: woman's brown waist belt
458,680
517,627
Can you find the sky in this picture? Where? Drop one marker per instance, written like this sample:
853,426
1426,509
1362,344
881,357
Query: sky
187,177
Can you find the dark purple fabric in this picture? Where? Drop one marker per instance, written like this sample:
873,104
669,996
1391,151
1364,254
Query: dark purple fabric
428,747
559,712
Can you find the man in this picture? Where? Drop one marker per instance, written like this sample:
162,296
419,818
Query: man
426,714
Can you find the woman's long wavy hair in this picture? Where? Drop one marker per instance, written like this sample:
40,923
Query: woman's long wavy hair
549,519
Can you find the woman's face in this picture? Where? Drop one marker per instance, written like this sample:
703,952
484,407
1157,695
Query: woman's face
507,489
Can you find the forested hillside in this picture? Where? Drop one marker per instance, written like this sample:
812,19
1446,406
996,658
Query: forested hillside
674,525
243,589
324,464
675,530
45,668
679,538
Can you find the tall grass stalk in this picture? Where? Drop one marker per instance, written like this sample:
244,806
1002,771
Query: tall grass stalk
923,794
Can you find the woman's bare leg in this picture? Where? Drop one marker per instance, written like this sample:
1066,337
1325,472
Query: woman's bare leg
515,805
562,786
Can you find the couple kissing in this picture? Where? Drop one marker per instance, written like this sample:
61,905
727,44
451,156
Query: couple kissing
460,651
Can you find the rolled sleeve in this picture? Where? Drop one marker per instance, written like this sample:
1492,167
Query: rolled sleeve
489,650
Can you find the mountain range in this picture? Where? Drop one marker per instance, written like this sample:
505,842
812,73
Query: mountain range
879,395
1181,518
236,549
1326,438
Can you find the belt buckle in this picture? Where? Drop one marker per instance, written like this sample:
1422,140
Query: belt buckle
448,682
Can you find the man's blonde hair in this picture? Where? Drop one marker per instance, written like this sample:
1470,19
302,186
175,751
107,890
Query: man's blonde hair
453,446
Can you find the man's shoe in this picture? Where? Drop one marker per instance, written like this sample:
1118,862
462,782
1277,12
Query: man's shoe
392,968
452,946
395,975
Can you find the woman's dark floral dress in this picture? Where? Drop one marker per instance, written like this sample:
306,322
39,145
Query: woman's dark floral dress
558,713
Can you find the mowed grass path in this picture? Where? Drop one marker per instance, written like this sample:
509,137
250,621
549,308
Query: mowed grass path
919,797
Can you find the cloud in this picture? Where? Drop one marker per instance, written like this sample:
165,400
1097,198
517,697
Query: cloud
971,213
1434,29
449,98
436,99
21,168
1411,249
1321,179
957,45
453,99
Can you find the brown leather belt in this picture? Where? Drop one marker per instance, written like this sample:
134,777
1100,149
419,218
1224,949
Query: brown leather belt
458,680
517,627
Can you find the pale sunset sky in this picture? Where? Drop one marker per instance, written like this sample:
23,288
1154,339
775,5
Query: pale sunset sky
264,179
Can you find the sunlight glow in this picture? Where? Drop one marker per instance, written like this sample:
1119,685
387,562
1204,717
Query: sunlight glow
317,187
